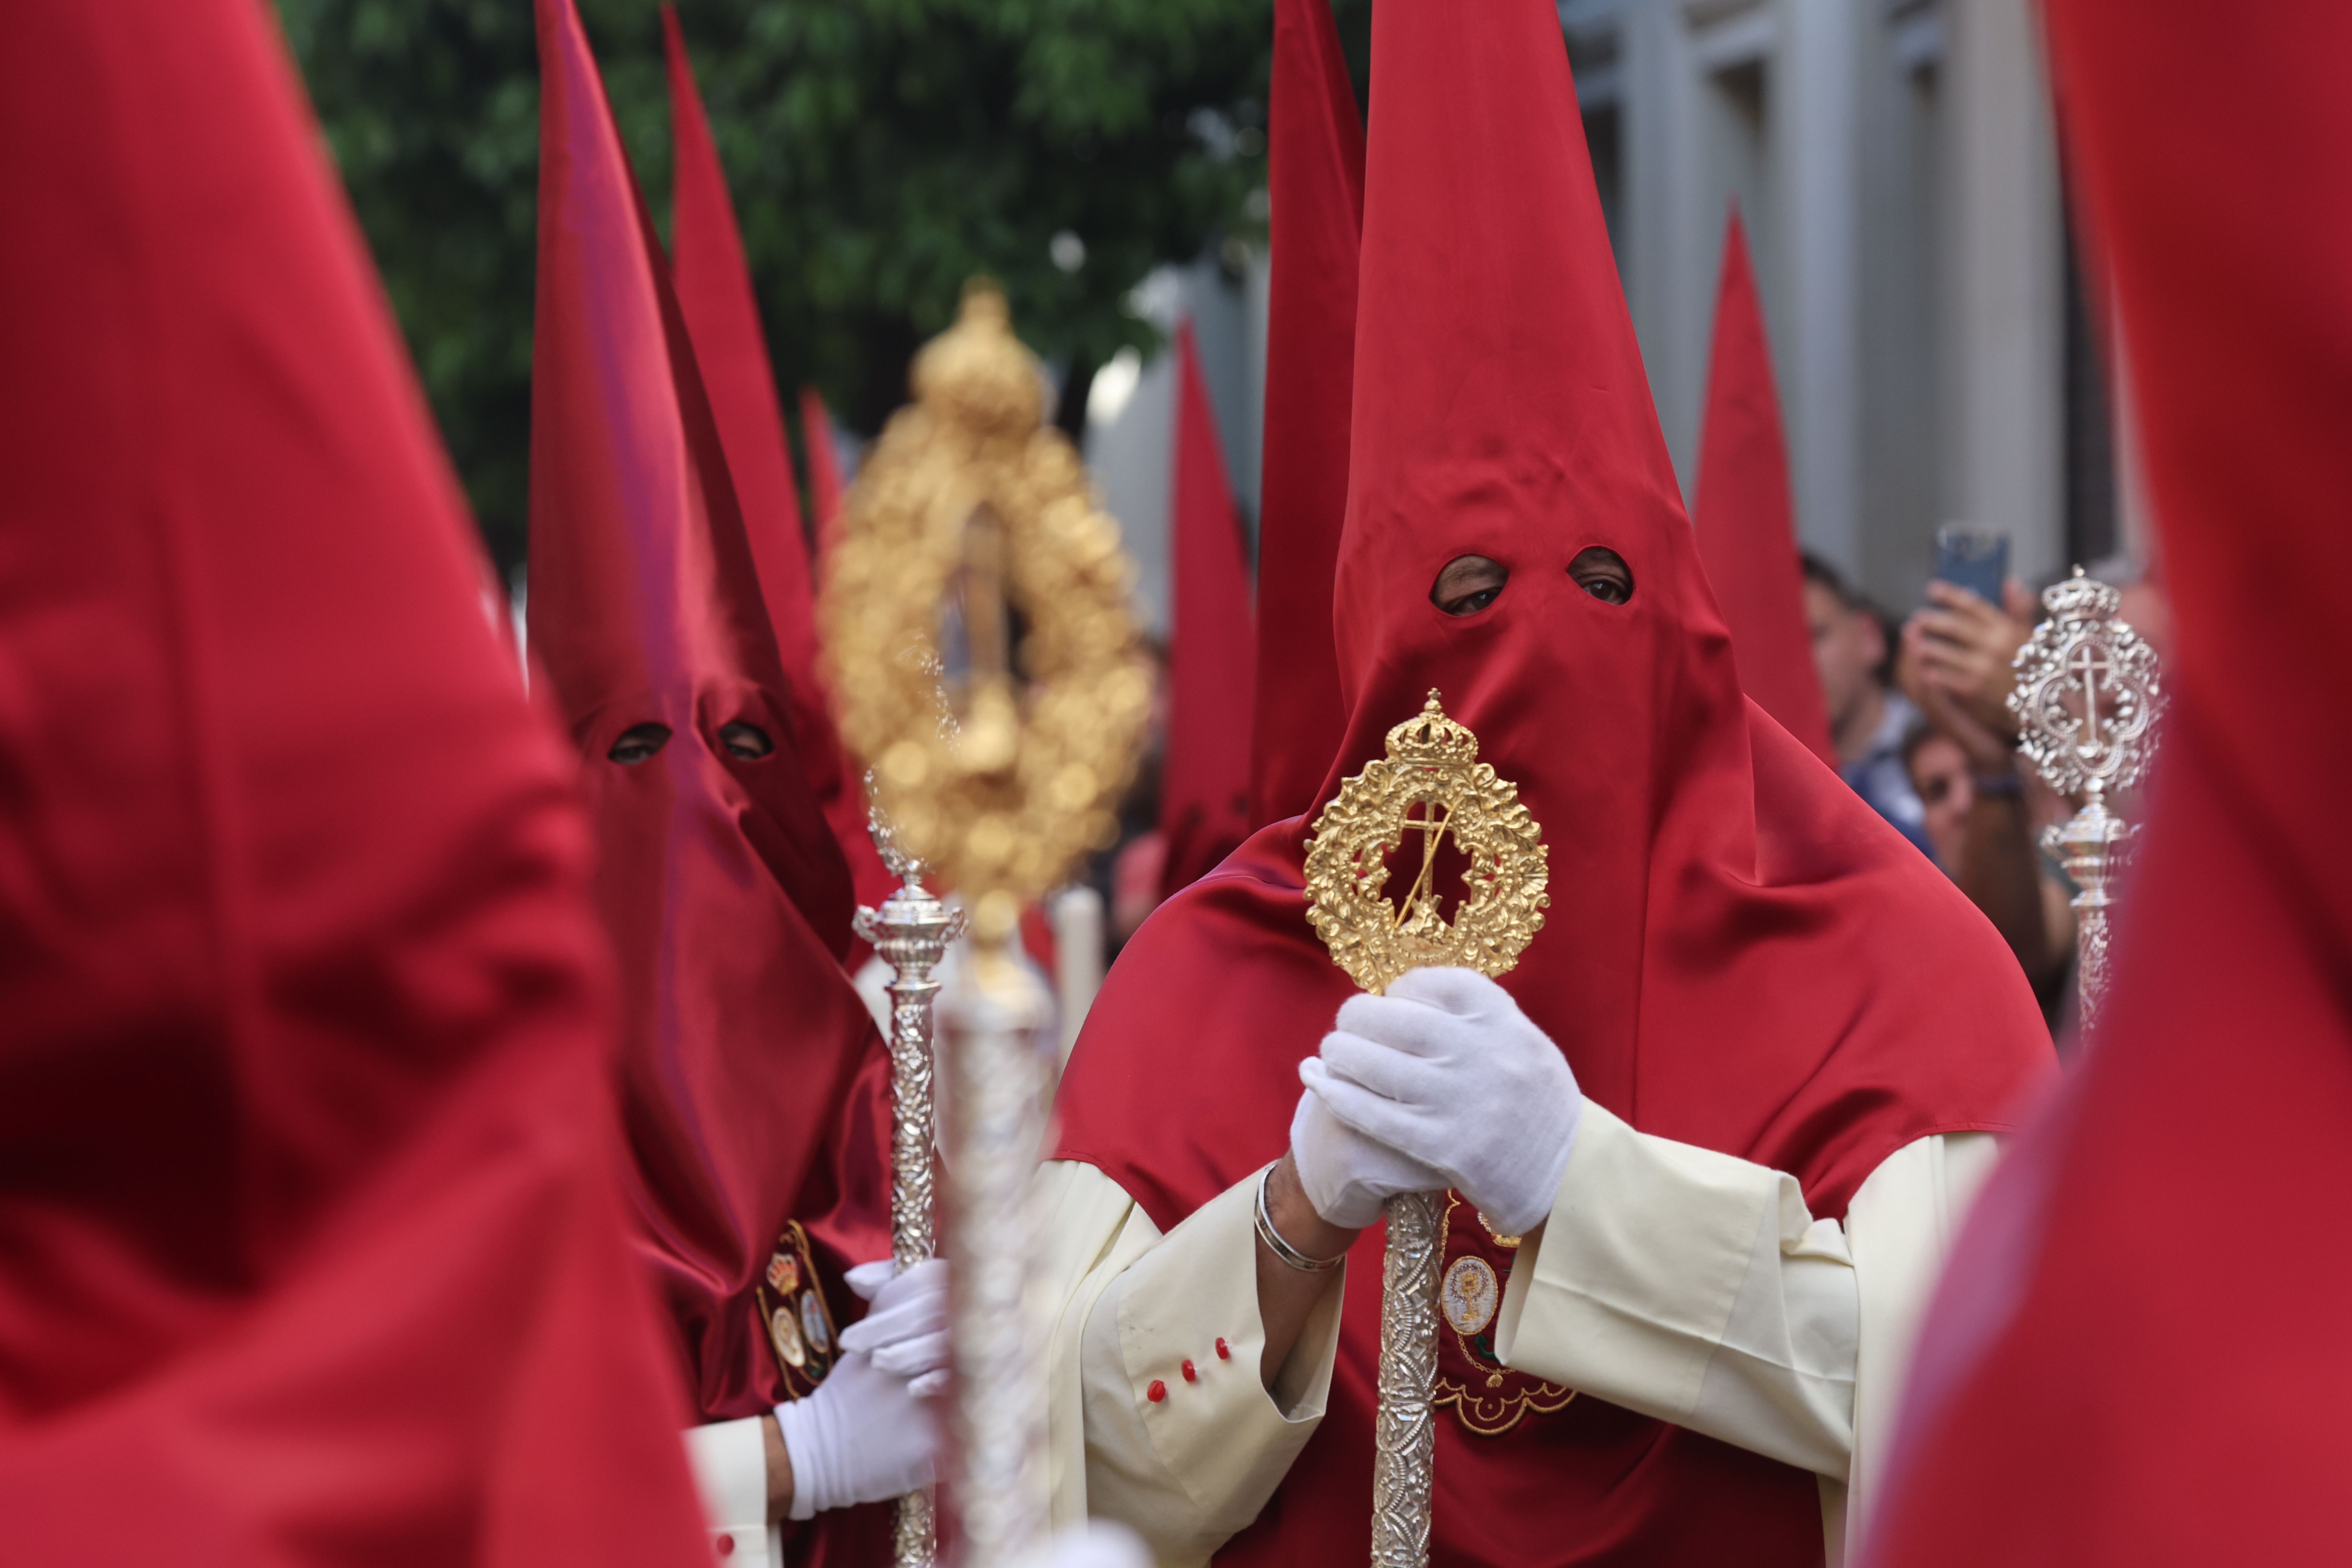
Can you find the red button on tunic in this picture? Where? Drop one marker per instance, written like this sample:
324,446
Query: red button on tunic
1190,1375
1224,1354
1157,1392
726,1546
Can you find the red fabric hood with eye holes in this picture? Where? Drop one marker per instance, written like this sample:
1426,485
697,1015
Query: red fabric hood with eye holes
750,1070
1738,953
715,295
315,1252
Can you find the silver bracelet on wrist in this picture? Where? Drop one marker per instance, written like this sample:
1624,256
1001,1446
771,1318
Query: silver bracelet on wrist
1281,1249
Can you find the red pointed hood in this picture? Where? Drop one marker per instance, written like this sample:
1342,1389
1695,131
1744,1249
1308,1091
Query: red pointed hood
1745,522
1314,177
722,316
1737,949
2084,1392
310,1200
1204,783
741,1035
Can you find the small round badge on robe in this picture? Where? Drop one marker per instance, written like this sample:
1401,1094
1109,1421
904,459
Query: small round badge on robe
1469,1295
812,1324
786,1332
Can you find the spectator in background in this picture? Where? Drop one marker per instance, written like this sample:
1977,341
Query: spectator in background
1986,815
1867,716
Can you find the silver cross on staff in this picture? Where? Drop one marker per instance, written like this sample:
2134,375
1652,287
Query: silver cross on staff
2087,701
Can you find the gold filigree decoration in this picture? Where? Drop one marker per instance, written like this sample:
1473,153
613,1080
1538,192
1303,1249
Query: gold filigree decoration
1433,766
969,506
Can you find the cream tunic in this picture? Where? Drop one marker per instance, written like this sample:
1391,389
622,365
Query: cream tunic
1678,1282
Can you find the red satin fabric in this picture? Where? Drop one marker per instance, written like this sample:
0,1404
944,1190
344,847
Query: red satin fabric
1205,784
1315,178
314,1252
722,316
2098,1383
1738,953
748,1064
1746,525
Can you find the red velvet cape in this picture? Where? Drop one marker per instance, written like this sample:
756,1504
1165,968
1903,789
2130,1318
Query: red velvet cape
1738,953
2138,1356
314,1248
750,1070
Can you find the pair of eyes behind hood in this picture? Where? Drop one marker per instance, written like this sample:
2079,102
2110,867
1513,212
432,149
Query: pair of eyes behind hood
1468,583
640,742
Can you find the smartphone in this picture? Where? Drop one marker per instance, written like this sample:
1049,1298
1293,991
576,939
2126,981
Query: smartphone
1975,559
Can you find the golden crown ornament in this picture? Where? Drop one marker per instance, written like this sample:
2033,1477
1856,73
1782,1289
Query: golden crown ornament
1432,767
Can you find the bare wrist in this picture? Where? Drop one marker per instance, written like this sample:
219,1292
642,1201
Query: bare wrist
1287,1205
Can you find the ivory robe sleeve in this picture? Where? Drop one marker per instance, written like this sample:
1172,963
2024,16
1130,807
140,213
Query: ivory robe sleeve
1132,1310
1696,1288
730,1460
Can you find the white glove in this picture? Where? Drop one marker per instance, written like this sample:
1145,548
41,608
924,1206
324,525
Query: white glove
868,1433
1092,1544
1346,1175
1445,1069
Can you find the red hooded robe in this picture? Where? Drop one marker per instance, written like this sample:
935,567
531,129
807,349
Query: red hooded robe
1738,953
2139,1353
751,1072
1205,784
1314,176
1745,522
314,1250
722,315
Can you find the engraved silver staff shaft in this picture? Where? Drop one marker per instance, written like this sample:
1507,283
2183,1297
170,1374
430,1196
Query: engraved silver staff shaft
2086,702
910,932
995,1067
1406,1434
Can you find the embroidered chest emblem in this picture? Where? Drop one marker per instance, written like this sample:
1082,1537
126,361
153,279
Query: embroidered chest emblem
1488,1397
793,1311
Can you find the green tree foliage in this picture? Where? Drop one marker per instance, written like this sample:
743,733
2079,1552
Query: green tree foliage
881,152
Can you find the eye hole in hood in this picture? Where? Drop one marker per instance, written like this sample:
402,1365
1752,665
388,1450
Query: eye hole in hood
638,742
1468,583
1602,573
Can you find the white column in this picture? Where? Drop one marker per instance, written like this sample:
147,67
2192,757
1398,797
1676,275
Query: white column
2006,341
1813,104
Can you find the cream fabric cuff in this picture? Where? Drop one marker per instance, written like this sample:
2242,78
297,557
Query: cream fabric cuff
730,1460
1214,1423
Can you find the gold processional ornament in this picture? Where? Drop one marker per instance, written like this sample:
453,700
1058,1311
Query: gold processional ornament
1432,768
987,670
968,504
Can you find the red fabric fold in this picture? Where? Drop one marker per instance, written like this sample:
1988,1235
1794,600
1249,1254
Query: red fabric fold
1745,522
1204,782
1737,954
315,1249
2089,1390
722,316
748,1062
1315,179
